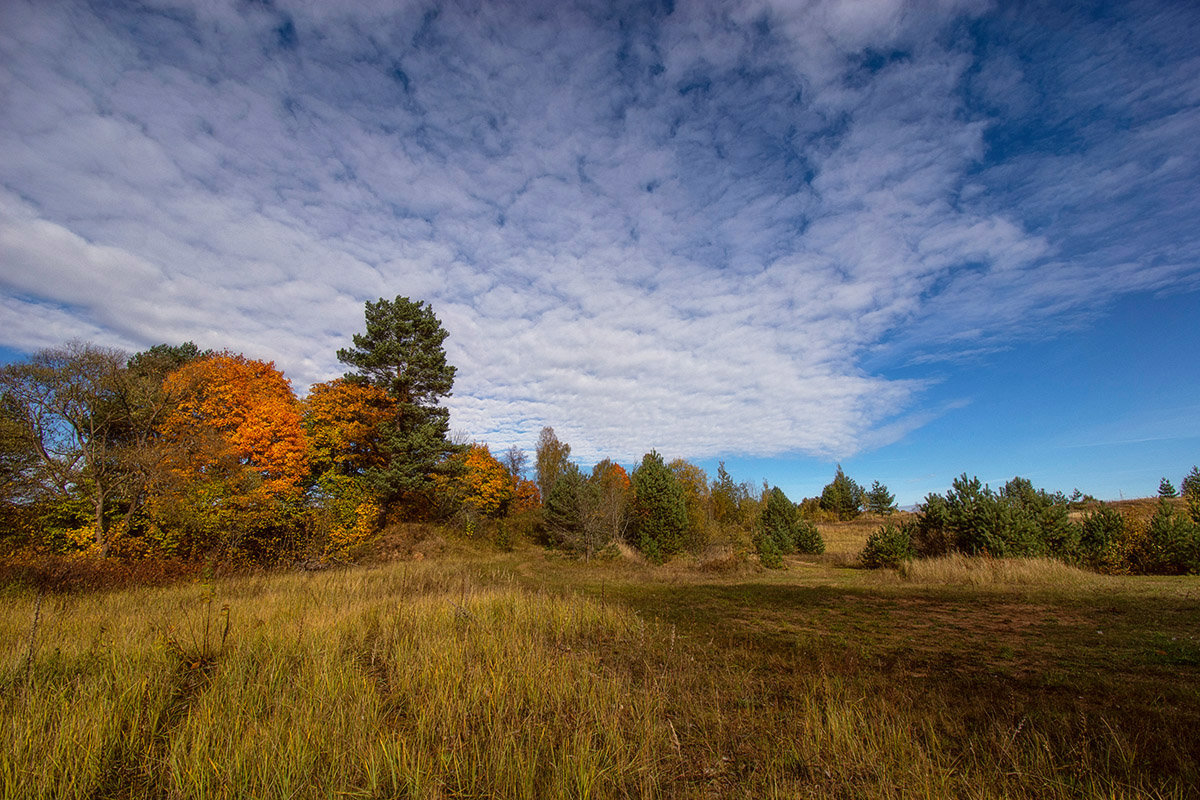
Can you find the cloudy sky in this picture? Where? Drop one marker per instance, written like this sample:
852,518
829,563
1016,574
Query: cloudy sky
916,238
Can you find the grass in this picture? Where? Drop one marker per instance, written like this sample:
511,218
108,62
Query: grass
527,675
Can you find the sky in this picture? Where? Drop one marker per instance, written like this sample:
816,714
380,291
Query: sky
919,239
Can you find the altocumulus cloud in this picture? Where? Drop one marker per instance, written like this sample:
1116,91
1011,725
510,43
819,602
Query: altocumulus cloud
683,226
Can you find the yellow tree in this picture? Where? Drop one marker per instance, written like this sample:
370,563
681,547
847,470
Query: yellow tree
344,422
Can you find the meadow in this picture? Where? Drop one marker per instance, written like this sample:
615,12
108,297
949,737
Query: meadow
477,673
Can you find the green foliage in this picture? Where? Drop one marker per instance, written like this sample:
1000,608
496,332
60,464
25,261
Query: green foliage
1171,545
842,496
781,530
402,353
1102,535
1166,489
889,546
566,508
1017,521
1190,486
879,500
659,519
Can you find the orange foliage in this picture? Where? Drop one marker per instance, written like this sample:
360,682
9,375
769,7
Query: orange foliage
236,419
483,483
343,423
526,496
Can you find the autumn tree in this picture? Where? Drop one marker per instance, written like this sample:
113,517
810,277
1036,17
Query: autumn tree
344,422
659,510
481,484
693,481
237,455
552,458
610,494
402,353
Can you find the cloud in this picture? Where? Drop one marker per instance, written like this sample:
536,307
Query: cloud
676,227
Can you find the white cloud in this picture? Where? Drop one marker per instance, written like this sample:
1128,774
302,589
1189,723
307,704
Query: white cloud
682,233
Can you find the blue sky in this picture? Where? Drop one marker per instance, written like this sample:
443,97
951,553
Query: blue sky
920,239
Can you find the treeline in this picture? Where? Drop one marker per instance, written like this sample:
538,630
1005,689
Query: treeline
204,455
1019,520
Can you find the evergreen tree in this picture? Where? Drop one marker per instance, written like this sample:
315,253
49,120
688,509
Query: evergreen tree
1190,487
842,496
879,500
401,352
781,530
1166,489
659,523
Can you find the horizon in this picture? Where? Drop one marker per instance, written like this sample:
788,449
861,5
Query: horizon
919,242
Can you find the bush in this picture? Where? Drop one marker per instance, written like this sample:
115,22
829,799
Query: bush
889,546
1171,545
1101,540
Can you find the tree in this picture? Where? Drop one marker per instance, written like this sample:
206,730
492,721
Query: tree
1190,487
344,422
659,516
610,492
515,461
782,531
879,500
482,484
236,456
694,483
552,458
842,496
70,407
402,353
1166,489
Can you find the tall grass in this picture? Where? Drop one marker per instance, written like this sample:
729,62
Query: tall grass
451,680
414,682
957,568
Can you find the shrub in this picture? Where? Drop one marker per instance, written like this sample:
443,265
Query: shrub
1101,540
1171,545
889,546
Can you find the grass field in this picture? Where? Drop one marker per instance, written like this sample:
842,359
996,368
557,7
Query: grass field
480,674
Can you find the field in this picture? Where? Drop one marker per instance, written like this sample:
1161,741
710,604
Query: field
484,674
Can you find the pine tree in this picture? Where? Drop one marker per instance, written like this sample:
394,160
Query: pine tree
1166,489
879,500
842,496
402,353
659,522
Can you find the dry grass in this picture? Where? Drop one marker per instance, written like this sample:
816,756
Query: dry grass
958,569
524,676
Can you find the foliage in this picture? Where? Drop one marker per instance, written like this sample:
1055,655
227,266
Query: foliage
1017,521
842,496
480,482
1101,539
782,531
611,490
343,421
693,481
69,415
1166,489
659,514
566,509
1190,486
1171,545
236,459
889,546
402,353
879,500
552,458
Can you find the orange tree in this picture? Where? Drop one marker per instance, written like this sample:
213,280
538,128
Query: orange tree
235,461
478,483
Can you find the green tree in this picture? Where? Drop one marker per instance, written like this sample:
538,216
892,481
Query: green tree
1166,489
842,496
402,353
879,500
659,519
781,530
552,458
1190,487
